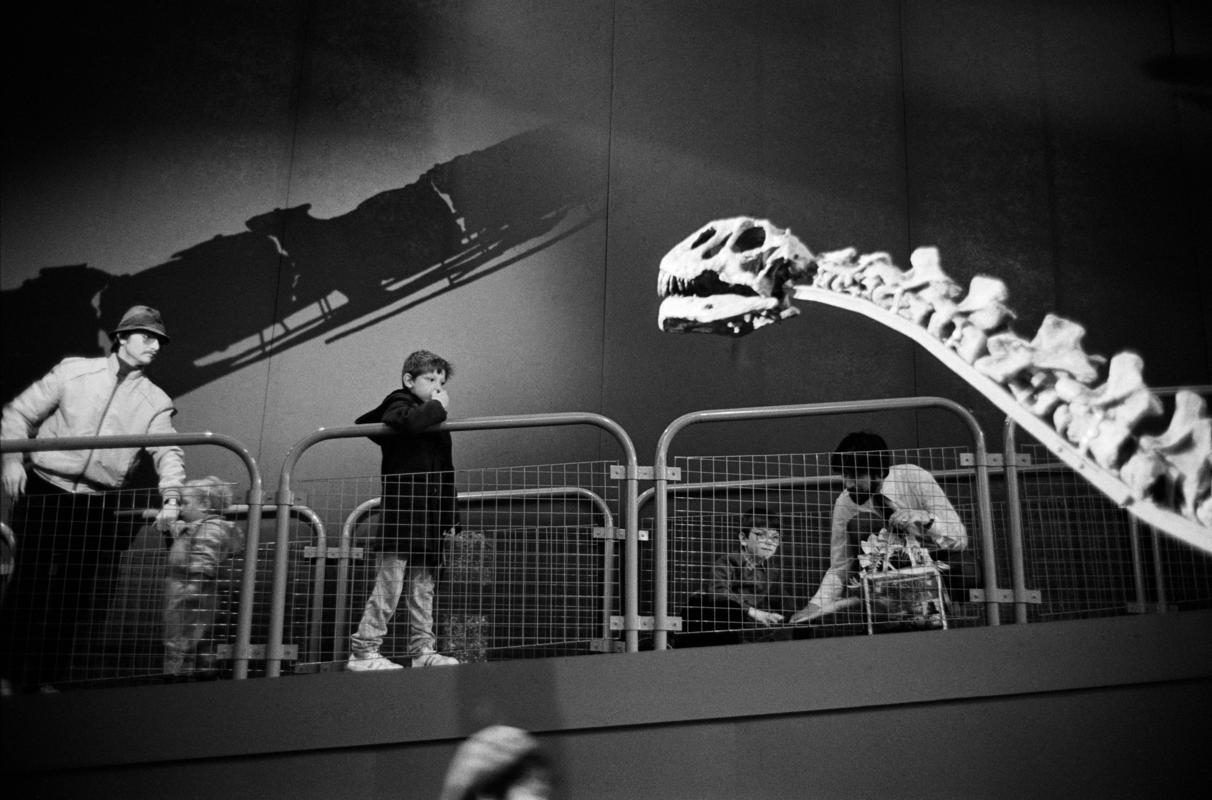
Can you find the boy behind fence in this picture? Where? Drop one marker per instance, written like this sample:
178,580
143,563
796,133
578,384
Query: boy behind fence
746,599
202,541
417,508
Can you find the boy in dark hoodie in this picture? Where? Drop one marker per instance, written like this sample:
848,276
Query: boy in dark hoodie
417,508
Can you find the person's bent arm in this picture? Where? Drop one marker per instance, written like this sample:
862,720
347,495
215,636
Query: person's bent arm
170,466
722,584
947,531
21,418
409,418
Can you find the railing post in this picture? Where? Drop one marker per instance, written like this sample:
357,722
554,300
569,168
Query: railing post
1014,515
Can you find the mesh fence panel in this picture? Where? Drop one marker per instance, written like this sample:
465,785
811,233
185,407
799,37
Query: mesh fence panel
1089,558
531,568
706,510
100,596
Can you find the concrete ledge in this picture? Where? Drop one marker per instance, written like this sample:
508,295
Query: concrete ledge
146,725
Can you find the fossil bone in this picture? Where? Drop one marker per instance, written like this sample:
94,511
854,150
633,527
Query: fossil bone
878,270
721,313
1058,347
701,278
838,270
972,343
1009,356
1039,397
926,270
1203,514
1141,472
1186,448
922,291
985,304
1056,355
981,311
1125,382
1100,421
1049,376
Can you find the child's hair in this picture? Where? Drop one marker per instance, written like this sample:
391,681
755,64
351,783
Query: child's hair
861,452
423,361
214,491
759,517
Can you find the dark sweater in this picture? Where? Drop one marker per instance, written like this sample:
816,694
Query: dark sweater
415,448
418,474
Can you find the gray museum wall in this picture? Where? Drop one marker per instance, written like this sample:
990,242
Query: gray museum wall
257,171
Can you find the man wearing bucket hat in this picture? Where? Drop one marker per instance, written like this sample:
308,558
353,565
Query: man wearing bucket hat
67,542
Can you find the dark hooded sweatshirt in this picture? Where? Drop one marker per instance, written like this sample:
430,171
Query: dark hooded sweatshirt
418,476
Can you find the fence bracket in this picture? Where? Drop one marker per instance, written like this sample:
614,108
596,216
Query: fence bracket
647,623
255,652
616,533
606,646
619,472
311,551
1032,596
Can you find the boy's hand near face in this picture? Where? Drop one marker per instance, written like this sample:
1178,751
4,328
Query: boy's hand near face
442,396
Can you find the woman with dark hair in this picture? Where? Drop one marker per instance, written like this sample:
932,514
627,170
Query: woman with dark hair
879,495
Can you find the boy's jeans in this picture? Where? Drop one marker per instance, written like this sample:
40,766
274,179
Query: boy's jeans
390,584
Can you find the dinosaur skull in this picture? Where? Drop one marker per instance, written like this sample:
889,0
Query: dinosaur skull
731,276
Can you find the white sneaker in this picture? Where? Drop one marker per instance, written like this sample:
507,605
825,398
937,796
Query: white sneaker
428,658
369,662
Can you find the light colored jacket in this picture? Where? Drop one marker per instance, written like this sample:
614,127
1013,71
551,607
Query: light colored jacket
906,486
82,397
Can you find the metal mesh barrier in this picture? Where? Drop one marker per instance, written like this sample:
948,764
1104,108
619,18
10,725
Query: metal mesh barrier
530,561
528,567
104,598
72,565
709,505
1087,558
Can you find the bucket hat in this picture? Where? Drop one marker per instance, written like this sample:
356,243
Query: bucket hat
142,318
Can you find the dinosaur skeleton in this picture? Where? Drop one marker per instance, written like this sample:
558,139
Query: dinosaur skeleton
735,275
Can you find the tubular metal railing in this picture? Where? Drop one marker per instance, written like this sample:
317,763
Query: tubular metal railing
321,546
284,497
243,648
661,626
282,505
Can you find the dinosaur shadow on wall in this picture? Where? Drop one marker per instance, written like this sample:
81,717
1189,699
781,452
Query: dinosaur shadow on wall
238,299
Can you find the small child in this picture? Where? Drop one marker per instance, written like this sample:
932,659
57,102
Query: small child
417,509
202,540
746,595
